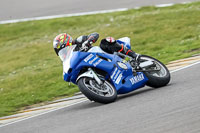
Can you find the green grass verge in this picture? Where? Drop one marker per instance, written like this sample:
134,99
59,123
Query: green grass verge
31,73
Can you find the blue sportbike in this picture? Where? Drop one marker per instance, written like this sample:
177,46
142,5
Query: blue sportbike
101,76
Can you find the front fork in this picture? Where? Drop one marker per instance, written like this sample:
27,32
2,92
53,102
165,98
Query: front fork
95,76
90,73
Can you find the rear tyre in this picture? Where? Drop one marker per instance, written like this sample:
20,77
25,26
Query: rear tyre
105,93
156,78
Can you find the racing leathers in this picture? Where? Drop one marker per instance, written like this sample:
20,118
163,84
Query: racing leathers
85,41
109,45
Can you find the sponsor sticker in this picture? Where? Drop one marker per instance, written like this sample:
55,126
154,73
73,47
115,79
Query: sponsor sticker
113,74
118,72
88,57
116,76
97,63
90,62
137,79
118,79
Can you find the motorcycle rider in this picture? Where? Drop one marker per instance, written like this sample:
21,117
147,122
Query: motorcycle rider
109,44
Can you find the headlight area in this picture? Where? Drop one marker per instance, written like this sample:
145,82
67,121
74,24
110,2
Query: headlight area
122,65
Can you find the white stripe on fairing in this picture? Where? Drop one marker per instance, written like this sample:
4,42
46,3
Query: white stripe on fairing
63,15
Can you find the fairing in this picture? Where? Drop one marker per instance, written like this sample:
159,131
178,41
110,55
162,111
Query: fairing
123,80
125,41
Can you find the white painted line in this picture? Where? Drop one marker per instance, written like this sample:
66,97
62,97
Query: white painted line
63,15
164,5
185,67
171,4
186,2
79,14
42,113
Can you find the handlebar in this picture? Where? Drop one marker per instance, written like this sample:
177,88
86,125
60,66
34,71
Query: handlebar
86,45
126,57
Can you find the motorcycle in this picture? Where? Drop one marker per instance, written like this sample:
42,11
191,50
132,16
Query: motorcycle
101,76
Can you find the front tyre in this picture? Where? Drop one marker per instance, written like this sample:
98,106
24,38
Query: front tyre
104,93
159,76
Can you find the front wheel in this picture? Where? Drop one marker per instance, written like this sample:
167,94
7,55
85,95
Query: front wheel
158,74
104,93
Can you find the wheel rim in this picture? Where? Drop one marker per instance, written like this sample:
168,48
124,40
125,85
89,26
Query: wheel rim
158,66
105,90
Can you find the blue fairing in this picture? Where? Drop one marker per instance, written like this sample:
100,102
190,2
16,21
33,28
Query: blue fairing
125,41
123,80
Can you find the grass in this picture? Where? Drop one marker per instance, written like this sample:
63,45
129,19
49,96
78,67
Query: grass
30,71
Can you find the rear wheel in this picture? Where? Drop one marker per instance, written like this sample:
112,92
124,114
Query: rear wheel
158,74
104,93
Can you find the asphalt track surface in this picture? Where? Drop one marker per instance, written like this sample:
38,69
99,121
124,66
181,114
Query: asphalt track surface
19,9
174,108
171,109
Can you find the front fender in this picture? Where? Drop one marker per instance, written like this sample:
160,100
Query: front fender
91,74
85,74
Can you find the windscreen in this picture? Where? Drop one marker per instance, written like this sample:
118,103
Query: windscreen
65,55
66,52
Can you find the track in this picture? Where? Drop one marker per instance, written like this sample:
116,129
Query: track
171,109
19,9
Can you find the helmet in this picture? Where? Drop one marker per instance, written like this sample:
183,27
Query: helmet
111,40
61,41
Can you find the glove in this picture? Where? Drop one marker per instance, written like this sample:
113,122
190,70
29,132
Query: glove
93,37
85,45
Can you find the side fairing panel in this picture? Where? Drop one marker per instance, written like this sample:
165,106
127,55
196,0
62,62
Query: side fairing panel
132,83
123,80
125,41
76,58
92,60
86,59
